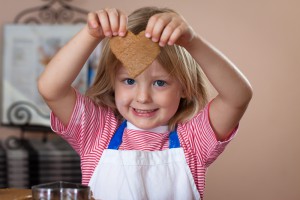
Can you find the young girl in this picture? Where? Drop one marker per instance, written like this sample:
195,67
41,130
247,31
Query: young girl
152,136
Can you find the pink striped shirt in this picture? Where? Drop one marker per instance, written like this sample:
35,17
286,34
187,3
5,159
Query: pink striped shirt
91,128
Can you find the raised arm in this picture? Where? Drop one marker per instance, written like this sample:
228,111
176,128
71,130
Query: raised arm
234,90
54,84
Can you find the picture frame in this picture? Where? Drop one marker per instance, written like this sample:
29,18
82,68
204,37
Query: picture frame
27,50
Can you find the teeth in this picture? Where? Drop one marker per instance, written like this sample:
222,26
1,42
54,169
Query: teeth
143,111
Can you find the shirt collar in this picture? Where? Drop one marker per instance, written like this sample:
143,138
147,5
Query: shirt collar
159,129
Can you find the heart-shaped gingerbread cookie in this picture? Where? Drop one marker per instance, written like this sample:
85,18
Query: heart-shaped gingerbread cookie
136,52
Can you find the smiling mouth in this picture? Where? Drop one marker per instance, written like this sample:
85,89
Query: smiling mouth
140,111
144,113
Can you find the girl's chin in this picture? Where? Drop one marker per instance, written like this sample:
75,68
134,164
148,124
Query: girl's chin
146,124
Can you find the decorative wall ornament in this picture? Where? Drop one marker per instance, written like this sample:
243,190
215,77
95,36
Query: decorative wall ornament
54,12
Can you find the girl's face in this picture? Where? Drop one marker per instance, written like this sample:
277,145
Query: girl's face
149,100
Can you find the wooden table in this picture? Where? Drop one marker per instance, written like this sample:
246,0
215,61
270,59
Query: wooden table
15,194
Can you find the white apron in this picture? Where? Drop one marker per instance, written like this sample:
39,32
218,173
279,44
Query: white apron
143,175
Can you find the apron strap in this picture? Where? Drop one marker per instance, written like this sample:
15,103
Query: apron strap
116,140
174,140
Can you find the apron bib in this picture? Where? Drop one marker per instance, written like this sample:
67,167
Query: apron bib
143,175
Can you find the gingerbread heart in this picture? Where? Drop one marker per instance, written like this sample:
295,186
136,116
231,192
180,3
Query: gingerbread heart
136,52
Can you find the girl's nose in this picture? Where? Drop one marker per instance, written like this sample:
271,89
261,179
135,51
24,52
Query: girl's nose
143,95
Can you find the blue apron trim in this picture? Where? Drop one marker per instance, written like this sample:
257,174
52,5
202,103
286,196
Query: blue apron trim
116,140
174,140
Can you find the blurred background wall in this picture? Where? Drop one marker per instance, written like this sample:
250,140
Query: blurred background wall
262,38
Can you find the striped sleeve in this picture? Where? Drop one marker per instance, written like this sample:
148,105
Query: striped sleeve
85,122
203,139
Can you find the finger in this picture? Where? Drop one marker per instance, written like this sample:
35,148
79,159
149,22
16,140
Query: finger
93,20
154,22
113,17
175,35
167,32
159,26
94,25
123,24
104,22
150,26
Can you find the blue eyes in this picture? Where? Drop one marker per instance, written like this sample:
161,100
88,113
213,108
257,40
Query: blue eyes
158,83
129,81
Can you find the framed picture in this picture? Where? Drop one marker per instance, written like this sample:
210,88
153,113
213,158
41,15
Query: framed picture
27,50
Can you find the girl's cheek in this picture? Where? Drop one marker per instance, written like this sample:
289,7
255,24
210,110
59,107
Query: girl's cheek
122,99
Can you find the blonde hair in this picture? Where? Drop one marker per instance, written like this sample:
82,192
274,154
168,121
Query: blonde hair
175,60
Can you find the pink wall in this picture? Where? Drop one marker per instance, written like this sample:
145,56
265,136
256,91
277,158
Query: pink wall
262,38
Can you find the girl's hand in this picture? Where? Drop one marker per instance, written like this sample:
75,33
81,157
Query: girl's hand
169,28
107,23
